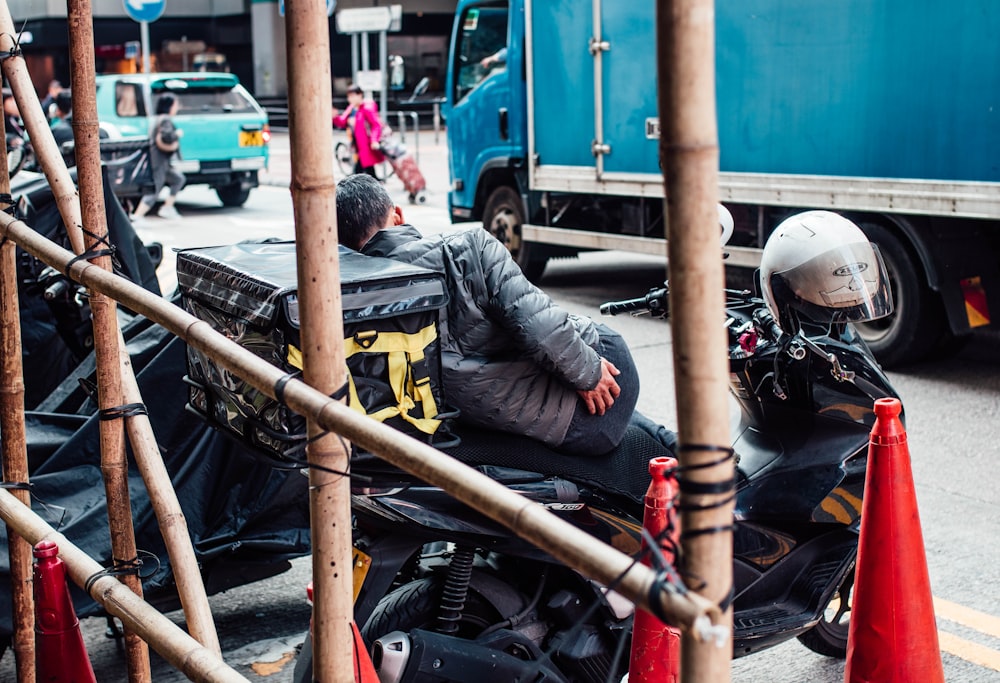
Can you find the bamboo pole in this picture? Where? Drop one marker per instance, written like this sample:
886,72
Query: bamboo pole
187,655
114,462
690,153
528,520
14,448
173,525
324,363
42,142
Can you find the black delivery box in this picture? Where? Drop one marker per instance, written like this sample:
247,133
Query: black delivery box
248,292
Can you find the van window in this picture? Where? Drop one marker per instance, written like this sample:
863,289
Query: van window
128,100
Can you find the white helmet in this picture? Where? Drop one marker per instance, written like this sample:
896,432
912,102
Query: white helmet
820,266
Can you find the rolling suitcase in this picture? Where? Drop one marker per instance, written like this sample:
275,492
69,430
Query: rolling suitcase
406,168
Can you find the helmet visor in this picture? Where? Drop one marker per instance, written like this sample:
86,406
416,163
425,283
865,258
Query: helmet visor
846,283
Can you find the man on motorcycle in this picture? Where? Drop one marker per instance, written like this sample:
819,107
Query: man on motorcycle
512,360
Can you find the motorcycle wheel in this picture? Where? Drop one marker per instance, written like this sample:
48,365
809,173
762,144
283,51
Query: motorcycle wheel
829,636
416,605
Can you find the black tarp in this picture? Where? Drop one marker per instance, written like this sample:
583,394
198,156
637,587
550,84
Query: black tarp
246,518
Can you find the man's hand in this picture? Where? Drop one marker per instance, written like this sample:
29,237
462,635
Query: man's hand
603,396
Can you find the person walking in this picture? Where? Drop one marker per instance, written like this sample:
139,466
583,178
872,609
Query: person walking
364,126
166,143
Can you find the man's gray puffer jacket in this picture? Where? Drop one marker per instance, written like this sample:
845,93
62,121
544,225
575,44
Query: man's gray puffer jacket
511,358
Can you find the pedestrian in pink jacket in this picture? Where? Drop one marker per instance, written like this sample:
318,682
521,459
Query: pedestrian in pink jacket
365,129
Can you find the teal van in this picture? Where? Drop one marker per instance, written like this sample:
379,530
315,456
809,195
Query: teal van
226,134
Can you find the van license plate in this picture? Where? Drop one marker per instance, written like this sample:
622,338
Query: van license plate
361,563
251,138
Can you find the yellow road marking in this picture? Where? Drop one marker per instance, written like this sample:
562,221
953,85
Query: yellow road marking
966,616
970,652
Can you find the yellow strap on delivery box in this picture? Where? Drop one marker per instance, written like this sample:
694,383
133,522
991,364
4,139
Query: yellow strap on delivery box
402,350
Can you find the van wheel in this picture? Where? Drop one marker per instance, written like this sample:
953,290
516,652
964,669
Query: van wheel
232,195
917,323
503,218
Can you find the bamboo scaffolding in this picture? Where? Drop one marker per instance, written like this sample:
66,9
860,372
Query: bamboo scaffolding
14,448
528,520
324,364
114,462
169,515
186,654
690,153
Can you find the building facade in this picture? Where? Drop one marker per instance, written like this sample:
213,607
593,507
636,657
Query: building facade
246,37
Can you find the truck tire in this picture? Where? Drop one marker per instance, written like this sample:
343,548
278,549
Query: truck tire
233,195
917,323
503,218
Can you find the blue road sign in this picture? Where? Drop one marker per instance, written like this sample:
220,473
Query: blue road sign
145,10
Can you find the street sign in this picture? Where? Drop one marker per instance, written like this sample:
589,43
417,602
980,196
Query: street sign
364,20
145,10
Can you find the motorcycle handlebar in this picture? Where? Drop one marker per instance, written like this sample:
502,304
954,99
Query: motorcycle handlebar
654,302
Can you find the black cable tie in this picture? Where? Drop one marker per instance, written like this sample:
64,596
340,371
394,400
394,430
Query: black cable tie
122,568
706,488
279,386
126,410
660,583
16,485
89,387
693,507
87,255
15,48
340,393
11,210
729,453
704,447
728,600
104,239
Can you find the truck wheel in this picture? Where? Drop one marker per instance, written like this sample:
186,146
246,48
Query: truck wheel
232,195
917,322
503,218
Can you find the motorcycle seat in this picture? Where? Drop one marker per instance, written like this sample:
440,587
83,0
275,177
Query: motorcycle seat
624,471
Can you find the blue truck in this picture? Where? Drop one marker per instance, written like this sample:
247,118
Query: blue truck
885,111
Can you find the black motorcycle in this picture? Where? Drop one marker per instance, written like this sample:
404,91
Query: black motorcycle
447,594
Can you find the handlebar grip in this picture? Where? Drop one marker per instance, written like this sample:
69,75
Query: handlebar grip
627,306
767,324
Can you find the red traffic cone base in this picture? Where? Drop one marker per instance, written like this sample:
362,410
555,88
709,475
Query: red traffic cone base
893,635
60,654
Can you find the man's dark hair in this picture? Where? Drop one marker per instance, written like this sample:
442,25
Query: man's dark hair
164,103
64,100
363,207
353,89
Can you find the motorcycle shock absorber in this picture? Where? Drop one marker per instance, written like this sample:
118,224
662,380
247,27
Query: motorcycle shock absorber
456,589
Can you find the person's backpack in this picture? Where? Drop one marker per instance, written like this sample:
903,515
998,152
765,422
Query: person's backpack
248,291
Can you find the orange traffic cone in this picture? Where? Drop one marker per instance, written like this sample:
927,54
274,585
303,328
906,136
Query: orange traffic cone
60,654
893,635
656,647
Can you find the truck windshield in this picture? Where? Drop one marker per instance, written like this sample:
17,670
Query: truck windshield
481,48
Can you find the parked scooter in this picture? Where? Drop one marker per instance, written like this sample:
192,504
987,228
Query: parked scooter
447,594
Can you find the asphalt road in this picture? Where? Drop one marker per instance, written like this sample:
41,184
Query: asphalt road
951,406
